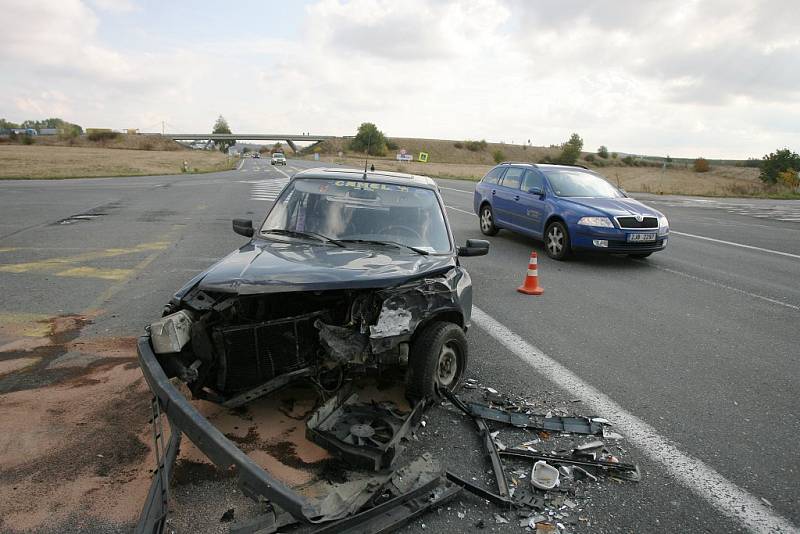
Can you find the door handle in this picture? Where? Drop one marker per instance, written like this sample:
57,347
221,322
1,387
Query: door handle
516,197
494,191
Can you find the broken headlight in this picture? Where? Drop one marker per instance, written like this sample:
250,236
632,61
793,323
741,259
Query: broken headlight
171,333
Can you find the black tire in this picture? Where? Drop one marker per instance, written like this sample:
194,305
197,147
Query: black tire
428,371
556,241
486,221
640,255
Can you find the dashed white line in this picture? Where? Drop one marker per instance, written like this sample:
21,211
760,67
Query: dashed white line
778,252
724,495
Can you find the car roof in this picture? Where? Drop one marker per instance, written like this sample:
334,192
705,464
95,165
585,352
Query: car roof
544,165
398,178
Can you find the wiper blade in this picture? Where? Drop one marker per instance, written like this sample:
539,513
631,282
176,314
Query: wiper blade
295,233
386,243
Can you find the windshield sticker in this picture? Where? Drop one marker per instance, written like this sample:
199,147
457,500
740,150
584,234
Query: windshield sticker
371,186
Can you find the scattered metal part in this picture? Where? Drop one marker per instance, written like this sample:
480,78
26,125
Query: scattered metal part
576,425
271,386
483,493
153,516
622,470
488,442
367,435
267,523
395,512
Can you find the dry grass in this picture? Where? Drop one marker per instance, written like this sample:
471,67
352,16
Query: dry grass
51,162
447,161
121,141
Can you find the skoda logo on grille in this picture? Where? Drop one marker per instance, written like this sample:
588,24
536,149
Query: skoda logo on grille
639,217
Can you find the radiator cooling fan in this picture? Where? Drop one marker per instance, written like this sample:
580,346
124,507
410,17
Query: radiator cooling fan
366,426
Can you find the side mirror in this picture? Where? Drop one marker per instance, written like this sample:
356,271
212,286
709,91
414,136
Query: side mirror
536,191
243,227
475,247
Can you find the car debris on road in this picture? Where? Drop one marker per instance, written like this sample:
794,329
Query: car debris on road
331,315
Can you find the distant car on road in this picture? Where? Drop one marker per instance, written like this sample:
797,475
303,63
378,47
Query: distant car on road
278,159
257,155
570,208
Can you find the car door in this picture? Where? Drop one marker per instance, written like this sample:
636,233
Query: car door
506,198
531,204
487,189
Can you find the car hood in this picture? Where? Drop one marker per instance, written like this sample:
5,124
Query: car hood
614,207
273,267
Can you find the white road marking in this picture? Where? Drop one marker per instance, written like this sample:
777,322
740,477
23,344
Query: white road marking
736,244
459,209
722,286
724,495
241,162
267,190
280,171
454,189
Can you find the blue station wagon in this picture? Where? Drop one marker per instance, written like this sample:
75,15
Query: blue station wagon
570,208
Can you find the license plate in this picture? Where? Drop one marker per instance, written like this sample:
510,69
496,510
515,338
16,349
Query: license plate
641,238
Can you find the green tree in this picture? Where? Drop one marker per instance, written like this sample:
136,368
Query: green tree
67,129
221,127
369,139
7,125
774,163
498,156
571,150
602,152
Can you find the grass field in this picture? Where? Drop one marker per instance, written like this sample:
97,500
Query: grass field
449,161
53,162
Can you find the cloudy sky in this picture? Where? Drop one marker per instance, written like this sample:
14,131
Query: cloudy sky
685,78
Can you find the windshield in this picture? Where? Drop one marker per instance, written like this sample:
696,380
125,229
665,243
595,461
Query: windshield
347,210
279,156
576,183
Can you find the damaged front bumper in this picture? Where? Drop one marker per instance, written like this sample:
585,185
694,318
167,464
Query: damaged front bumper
184,418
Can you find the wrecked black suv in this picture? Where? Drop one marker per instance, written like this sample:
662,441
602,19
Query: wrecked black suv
350,272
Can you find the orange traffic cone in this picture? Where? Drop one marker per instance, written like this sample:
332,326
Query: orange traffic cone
531,284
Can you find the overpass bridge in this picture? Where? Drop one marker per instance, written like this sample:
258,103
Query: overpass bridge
290,139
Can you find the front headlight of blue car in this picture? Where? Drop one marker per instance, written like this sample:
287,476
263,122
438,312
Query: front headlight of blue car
663,226
603,222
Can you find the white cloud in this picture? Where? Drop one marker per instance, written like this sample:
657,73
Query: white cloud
636,76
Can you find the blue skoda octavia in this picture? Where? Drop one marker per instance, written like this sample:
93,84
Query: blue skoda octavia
570,208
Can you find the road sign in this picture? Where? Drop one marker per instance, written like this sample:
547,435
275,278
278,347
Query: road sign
405,157
423,157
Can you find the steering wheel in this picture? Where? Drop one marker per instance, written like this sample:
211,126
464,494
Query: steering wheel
408,230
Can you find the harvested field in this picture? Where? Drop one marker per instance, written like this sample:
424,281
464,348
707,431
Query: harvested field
724,181
53,162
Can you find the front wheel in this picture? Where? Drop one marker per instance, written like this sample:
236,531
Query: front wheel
487,221
438,360
556,241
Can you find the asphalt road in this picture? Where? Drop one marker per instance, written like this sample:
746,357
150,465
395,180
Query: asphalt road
695,349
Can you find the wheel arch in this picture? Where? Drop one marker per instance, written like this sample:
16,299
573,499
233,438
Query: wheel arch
448,316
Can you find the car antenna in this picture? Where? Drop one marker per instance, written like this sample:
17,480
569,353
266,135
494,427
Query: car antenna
369,144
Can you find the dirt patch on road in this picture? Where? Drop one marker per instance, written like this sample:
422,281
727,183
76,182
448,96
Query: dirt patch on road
74,433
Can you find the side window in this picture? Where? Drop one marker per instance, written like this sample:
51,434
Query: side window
513,177
532,179
493,176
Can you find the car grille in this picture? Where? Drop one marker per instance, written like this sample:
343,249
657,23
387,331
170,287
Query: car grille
254,354
635,246
631,222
